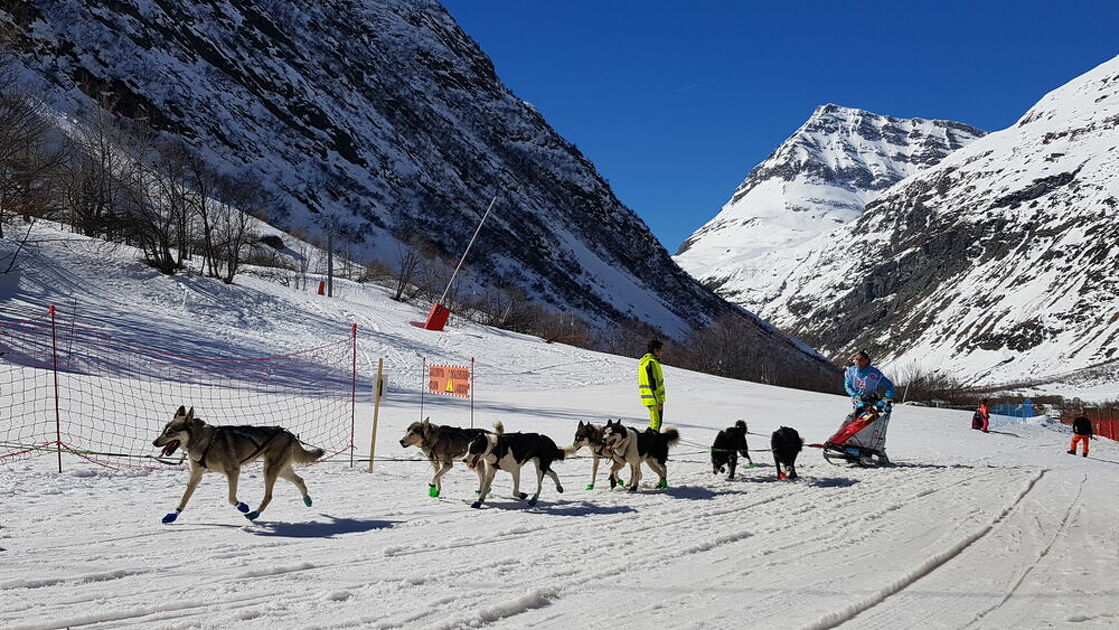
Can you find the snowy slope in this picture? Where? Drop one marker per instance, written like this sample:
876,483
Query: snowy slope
996,265
969,530
819,179
378,119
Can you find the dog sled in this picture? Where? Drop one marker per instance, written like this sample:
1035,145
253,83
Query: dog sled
861,439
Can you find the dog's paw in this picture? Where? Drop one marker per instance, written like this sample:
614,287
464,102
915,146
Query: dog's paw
663,483
252,516
532,502
170,517
559,488
753,465
476,505
590,486
432,491
522,495
307,501
241,507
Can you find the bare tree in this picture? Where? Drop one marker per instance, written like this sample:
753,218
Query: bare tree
151,202
206,183
95,171
28,164
235,228
408,264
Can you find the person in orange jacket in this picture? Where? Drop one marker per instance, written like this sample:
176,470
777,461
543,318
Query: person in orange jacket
985,415
1082,430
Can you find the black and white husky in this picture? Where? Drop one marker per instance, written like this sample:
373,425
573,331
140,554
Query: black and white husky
590,436
629,446
509,452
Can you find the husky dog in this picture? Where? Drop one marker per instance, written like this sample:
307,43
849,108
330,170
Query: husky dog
590,435
629,446
509,452
225,449
728,445
786,444
441,445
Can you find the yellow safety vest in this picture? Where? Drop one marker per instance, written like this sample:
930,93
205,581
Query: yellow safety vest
651,393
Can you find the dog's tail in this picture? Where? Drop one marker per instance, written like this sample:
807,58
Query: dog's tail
498,427
569,450
671,436
305,456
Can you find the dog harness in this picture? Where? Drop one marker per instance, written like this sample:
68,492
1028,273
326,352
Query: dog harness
259,447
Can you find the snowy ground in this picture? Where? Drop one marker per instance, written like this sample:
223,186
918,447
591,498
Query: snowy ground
968,530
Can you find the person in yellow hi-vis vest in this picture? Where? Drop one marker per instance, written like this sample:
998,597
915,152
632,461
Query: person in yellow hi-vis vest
650,382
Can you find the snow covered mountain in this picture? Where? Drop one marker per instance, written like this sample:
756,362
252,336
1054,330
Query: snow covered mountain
818,180
379,119
998,264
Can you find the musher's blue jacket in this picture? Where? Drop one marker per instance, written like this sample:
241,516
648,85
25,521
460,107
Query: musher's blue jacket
866,381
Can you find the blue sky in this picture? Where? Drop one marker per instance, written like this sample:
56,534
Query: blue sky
675,102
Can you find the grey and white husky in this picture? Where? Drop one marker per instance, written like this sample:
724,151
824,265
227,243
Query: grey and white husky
225,449
441,445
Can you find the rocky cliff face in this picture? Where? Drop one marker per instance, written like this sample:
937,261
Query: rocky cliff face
379,119
818,180
997,264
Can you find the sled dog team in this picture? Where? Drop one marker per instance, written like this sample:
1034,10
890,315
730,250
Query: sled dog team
225,449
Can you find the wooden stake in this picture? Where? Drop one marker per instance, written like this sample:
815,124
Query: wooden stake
378,391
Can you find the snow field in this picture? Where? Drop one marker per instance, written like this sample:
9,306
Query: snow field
968,530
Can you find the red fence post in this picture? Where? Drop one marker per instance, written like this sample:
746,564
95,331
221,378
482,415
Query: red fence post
57,414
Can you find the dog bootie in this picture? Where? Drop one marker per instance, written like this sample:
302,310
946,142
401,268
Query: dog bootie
476,504
252,516
590,486
663,483
559,488
241,507
432,491
522,496
753,465
532,502
170,517
307,501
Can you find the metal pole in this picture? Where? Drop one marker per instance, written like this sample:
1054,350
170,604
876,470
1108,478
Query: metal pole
353,395
330,262
468,246
378,390
471,392
423,385
57,414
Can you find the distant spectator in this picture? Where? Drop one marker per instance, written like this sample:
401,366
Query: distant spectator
984,412
1082,430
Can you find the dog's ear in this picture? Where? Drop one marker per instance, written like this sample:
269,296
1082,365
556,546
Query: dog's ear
181,411
190,414
580,424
